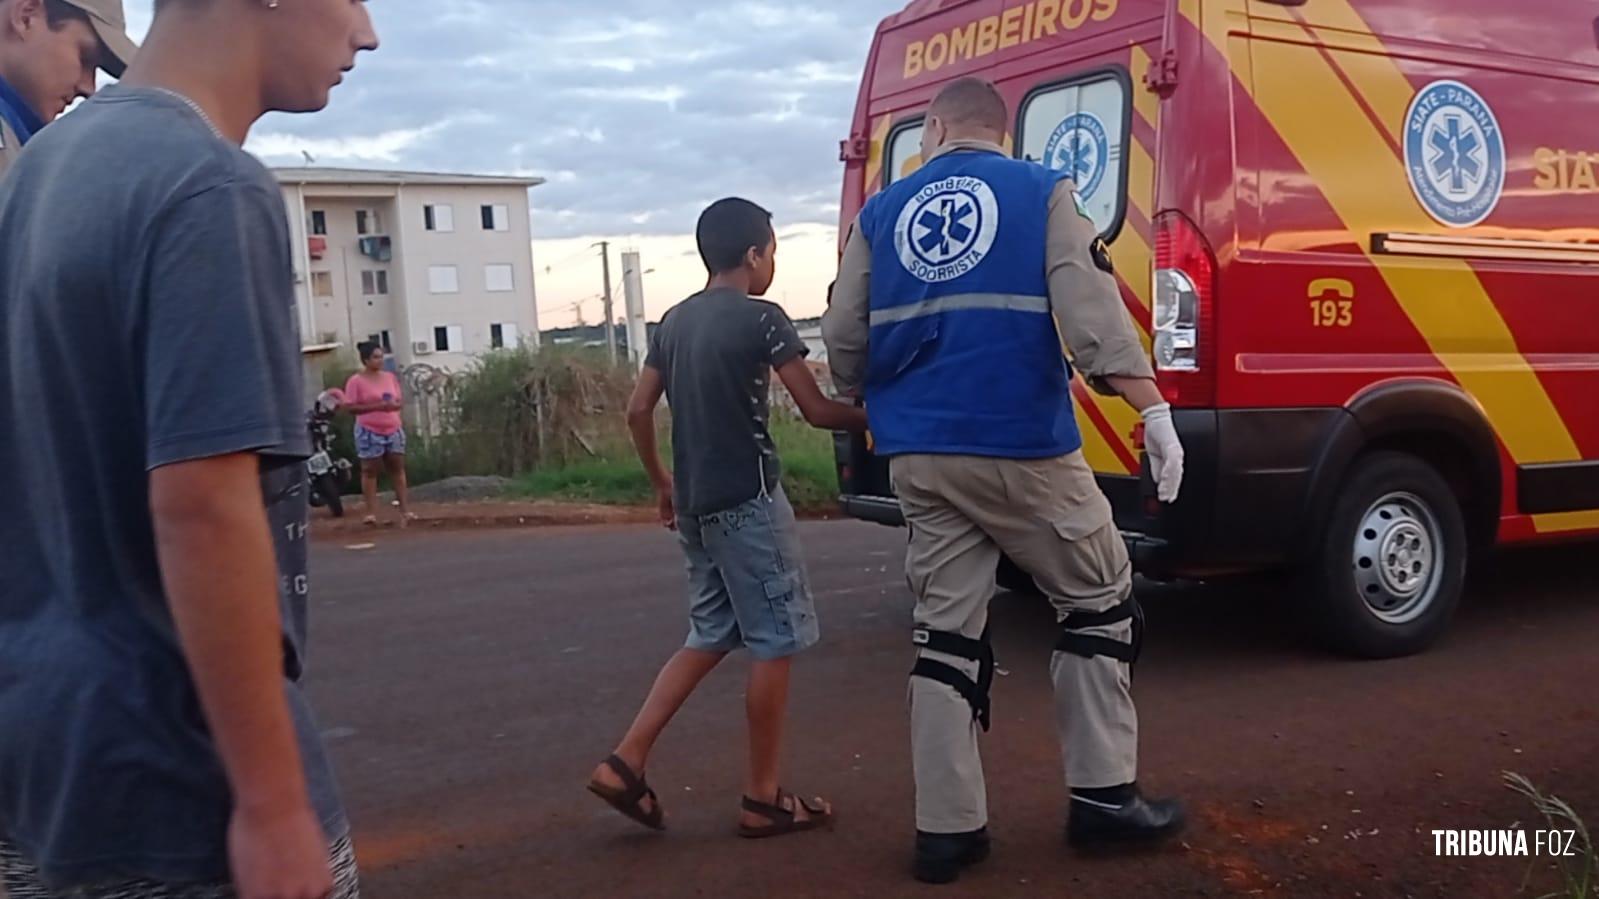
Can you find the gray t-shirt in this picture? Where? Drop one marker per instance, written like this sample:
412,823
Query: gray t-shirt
716,351
146,318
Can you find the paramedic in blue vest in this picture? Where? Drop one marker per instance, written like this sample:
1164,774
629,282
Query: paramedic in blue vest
49,50
944,319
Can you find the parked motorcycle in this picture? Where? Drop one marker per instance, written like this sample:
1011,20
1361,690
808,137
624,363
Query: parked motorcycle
329,475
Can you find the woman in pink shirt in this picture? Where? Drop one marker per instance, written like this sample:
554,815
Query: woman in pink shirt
373,396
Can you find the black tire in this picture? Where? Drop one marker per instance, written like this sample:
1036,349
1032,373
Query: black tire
1010,576
1389,568
327,486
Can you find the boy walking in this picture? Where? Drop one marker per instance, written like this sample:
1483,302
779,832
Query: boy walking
713,356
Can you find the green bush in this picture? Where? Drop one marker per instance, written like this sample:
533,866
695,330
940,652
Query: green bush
516,411
809,477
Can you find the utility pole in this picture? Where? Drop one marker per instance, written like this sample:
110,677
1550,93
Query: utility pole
633,299
610,315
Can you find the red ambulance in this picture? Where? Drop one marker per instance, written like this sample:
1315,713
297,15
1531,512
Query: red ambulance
1361,239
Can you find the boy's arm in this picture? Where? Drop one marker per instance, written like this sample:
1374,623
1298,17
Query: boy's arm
221,579
820,411
641,422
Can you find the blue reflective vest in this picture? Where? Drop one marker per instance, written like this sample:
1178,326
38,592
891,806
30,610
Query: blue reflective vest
964,357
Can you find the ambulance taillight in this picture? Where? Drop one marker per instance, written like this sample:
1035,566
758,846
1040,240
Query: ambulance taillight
1184,313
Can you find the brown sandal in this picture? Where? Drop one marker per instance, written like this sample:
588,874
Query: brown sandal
630,799
783,816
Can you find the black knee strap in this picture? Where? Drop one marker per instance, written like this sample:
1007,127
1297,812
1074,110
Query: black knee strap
975,692
1088,646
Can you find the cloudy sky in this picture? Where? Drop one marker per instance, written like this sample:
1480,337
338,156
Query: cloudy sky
638,112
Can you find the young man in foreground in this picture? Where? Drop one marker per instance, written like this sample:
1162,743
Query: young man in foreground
154,737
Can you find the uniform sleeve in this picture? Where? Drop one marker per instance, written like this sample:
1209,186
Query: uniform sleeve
846,326
218,317
780,340
1085,300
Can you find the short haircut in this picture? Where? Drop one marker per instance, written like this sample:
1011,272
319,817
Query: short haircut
366,348
729,229
971,101
57,14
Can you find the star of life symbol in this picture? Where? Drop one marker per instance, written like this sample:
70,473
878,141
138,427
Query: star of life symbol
1080,147
1454,154
947,228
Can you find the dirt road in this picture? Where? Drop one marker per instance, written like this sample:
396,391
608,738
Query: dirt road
469,682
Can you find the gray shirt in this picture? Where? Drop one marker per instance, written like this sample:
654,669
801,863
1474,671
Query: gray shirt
146,318
716,351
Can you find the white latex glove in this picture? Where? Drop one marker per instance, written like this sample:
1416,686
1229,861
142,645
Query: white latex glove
1165,451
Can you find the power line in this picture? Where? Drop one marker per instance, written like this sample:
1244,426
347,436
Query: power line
566,259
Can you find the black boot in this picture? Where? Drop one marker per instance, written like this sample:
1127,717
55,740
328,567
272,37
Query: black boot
941,856
1132,821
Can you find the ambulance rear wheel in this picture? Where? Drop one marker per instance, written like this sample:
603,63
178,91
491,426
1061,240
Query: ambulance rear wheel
1391,564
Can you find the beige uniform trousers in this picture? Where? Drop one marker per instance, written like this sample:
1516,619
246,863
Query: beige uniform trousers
1049,517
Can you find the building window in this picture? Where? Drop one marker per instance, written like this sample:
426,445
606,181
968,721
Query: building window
367,221
443,279
447,339
496,218
504,335
375,283
388,343
319,222
439,217
322,284
498,279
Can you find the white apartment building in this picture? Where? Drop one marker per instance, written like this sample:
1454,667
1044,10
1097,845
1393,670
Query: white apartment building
438,268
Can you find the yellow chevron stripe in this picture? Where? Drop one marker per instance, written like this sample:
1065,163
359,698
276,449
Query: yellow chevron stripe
1140,178
1566,522
1131,253
1443,298
874,155
1144,101
1122,418
1383,85
1096,451
1133,260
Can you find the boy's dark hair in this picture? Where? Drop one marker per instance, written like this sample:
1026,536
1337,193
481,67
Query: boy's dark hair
730,228
58,14
366,348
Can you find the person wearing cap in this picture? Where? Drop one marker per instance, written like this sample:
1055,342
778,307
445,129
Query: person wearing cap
49,51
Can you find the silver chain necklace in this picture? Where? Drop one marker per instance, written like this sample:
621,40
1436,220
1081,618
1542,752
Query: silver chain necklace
194,106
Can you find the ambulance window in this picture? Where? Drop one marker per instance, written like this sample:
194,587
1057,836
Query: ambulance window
1081,127
904,151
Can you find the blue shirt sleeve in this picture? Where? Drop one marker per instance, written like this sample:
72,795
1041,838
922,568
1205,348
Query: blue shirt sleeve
221,346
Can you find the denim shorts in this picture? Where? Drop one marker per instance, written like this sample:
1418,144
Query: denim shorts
371,445
747,583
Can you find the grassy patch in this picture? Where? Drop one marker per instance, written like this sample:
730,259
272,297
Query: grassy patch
618,478
1579,875
609,481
